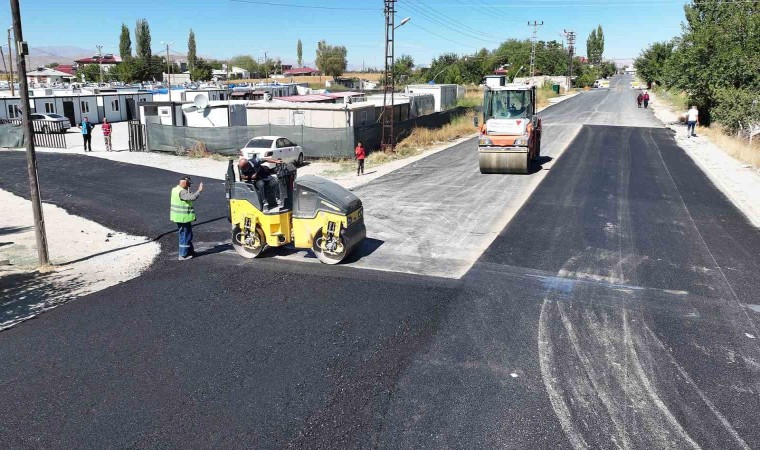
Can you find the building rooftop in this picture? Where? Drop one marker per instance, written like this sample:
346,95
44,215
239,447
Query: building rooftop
307,98
46,72
276,104
106,59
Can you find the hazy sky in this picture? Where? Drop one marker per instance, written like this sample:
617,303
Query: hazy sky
225,28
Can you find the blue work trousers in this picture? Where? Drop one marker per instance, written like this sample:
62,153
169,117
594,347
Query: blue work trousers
185,231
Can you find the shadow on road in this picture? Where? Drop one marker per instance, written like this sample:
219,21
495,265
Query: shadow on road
11,230
538,165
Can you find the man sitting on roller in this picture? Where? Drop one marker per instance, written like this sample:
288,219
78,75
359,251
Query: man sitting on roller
254,171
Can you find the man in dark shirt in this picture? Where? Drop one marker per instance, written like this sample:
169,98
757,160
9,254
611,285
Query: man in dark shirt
254,171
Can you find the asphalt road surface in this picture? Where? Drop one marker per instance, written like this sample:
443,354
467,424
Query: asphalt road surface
616,309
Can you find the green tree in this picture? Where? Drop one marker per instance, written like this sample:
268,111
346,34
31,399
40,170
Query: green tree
591,46
142,38
125,43
191,55
125,71
599,43
331,59
402,67
299,53
718,49
52,65
651,65
248,63
91,72
201,71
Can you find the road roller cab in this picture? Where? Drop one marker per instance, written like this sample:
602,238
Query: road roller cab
510,135
316,214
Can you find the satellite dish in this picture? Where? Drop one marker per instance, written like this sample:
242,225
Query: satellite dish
200,101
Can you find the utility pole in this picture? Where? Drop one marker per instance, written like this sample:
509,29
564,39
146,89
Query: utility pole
10,61
266,65
100,61
388,138
22,50
536,25
168,68
2,55
571,51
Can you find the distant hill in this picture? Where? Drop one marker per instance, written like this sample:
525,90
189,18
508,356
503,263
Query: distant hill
62,54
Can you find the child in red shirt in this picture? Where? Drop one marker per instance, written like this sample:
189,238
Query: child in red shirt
360,154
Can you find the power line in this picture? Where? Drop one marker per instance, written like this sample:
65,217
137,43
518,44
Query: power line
454,22
441,36
445,25
290,5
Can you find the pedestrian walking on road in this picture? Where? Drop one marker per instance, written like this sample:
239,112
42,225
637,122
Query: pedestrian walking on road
692,120
360,155
646,100
86,128
639,99
183,214
107,134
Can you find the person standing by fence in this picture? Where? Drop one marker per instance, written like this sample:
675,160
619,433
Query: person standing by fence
86,128
360,155
107,134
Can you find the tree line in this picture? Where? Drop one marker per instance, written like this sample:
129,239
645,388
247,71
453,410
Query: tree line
143,64
715,61
512,56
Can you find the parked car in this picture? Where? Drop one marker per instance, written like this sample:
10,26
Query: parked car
48,123
273,147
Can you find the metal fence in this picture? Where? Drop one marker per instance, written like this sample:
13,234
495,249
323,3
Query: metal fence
316,142
138,138
47,133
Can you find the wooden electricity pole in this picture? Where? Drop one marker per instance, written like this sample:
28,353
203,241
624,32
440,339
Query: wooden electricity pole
22,50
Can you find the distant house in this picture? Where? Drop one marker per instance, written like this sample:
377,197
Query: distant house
301,72
70,69
106,61
234,73
44,75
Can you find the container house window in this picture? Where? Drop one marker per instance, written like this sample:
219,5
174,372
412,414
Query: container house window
85,107
49,107
115,105
13,112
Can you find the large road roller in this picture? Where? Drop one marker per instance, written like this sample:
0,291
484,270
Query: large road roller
510,135
312,213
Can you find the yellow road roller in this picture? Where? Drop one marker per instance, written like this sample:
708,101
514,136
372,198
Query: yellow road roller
313,213
510,135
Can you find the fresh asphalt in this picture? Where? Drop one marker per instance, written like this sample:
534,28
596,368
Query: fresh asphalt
616,309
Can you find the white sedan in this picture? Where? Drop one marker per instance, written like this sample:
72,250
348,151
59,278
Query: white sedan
276,147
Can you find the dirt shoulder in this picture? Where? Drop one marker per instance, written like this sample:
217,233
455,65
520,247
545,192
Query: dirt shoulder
739,181
87,257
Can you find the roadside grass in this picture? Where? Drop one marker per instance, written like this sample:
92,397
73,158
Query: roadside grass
677,100
473,98
543,94
199,150
736,147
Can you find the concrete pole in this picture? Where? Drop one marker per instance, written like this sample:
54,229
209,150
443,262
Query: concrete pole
31,157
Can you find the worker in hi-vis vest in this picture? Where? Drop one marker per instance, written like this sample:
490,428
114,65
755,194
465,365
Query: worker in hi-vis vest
183,214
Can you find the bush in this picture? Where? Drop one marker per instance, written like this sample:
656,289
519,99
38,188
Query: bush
736,108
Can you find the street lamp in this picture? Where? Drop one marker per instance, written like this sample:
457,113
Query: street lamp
403,22
266,66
